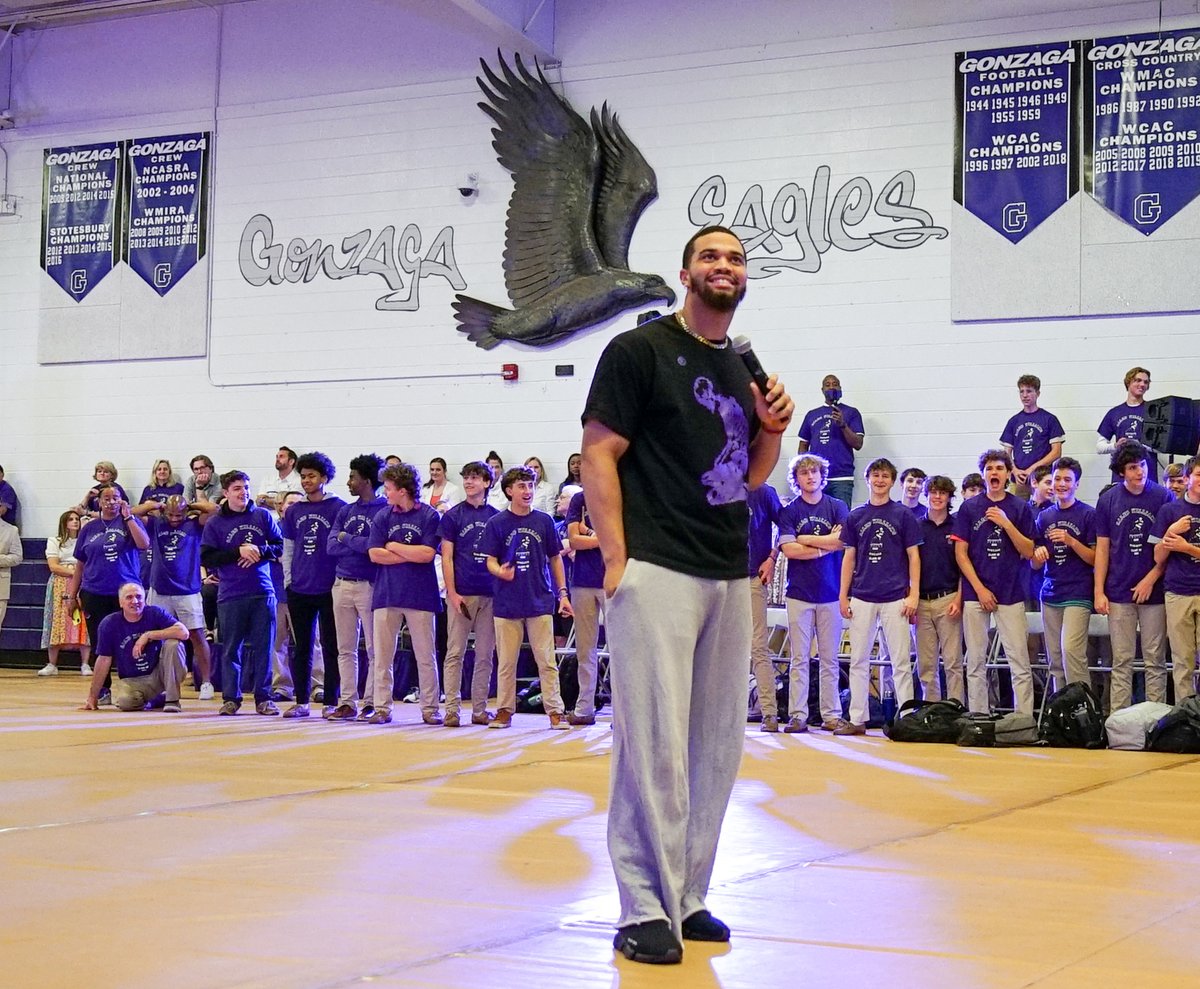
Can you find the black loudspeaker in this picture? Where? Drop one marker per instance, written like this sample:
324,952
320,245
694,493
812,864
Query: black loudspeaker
1173,425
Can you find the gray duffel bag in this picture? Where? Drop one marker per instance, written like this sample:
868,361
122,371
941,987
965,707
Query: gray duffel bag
1127,727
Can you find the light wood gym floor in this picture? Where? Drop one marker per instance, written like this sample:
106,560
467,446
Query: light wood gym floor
153,850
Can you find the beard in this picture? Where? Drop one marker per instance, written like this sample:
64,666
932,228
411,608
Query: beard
719,299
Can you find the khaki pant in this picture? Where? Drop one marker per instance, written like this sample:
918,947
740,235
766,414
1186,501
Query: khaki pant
588,605
1011,627
458,627
134,693
760,656
938,633
508,647
895,627
1123,623
388,622
352,607
1183,629
1066,633
825,621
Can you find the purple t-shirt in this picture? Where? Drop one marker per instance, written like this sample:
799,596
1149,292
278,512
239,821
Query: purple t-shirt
1182,573
308,524
1030,434
109,556
880,536
815,581
939,568
589,563
463,526
8,497
527,542
175,556
995,559
406,585
824,437
117,636
1067,577
1127,421
764,506
354,520
1127,520
160,493
228,530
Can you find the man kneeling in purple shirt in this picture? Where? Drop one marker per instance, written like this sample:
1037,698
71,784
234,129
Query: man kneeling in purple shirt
132,638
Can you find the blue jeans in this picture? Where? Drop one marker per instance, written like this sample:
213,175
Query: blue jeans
249,624
842,490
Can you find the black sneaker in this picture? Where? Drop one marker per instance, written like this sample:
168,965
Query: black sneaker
651,942
703,926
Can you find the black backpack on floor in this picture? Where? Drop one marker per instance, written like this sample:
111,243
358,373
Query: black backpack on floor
1178,730
926,721
1072,719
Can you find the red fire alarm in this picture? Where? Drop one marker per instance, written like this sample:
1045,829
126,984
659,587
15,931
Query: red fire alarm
509,372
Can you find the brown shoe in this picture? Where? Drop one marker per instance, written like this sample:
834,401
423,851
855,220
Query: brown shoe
796,726
267,708
451,720
770,723
581,719
559,722
431,718
831,725
344,712
484,719
503,719
849,728
380,717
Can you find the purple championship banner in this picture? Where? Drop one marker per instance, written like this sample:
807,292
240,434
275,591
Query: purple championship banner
1016,154
1141,119
81,192
165,234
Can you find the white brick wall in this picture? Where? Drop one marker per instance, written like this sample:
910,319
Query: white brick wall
380,126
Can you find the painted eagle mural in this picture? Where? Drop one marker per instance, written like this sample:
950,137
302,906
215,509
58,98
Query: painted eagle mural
578,191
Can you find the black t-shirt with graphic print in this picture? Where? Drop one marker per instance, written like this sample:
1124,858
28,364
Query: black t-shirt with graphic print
688,414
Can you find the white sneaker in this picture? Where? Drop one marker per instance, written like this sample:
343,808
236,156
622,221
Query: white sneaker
48,671
85,670
206,691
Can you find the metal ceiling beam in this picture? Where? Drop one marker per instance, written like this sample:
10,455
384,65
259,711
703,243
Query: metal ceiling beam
57,13
524,25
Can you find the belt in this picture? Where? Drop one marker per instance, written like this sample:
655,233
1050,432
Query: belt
355,580
935,595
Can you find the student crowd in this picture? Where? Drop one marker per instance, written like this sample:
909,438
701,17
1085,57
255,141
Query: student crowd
297,562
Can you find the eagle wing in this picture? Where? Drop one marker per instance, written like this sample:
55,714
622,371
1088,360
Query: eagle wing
554,159
627,186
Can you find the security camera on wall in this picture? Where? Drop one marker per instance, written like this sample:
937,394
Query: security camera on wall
470,189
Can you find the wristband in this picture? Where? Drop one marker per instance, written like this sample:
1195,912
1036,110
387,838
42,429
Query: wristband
563,592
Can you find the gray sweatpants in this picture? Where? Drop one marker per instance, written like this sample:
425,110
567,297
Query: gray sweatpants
678,668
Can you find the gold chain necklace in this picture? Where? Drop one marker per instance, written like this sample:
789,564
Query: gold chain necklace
696,336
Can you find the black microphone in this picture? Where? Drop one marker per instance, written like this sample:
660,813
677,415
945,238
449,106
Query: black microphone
741,346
